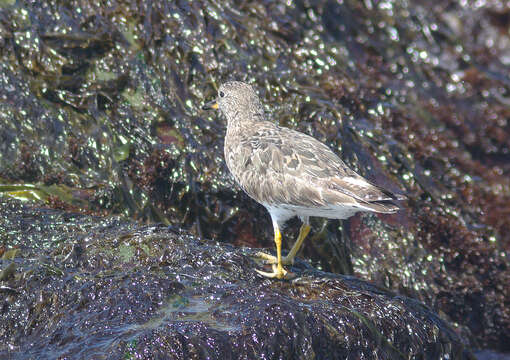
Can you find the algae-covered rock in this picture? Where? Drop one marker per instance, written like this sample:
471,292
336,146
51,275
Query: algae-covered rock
100,114
87,287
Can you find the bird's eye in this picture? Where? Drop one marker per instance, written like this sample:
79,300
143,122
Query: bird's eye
222,94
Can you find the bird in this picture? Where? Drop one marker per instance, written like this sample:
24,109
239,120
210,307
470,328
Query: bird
290,173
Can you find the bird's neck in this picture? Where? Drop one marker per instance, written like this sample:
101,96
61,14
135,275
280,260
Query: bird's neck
237,121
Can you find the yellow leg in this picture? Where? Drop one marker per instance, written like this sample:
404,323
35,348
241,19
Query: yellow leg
289,259
278,241
278,271
303,232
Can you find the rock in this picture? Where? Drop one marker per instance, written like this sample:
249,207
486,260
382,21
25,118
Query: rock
92,287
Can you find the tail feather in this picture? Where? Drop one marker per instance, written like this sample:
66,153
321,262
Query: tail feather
385,204
390,195
384,207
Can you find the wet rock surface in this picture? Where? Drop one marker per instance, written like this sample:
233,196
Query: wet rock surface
84,287
99,114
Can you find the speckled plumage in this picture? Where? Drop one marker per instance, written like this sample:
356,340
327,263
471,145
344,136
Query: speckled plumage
277,166
290,173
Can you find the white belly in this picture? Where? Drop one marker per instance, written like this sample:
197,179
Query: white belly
282,213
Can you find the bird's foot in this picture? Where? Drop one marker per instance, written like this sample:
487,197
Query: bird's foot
278,273
270,259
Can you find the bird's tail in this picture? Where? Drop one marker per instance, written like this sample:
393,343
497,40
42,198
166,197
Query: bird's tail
383,206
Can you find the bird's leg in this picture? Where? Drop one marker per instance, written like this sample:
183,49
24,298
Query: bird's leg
303,232
278,241
278,271
289,259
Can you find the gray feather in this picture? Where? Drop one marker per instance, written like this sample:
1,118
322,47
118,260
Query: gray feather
279,166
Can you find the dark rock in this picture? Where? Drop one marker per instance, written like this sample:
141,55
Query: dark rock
89,287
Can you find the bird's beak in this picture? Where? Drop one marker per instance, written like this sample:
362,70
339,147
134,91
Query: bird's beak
210,105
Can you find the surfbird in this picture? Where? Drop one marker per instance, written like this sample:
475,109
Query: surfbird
290,173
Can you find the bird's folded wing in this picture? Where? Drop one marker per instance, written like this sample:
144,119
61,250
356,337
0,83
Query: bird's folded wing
285,166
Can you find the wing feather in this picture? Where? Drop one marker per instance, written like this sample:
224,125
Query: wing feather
276,164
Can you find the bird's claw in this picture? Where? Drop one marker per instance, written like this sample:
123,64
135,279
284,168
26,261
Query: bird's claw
278,273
